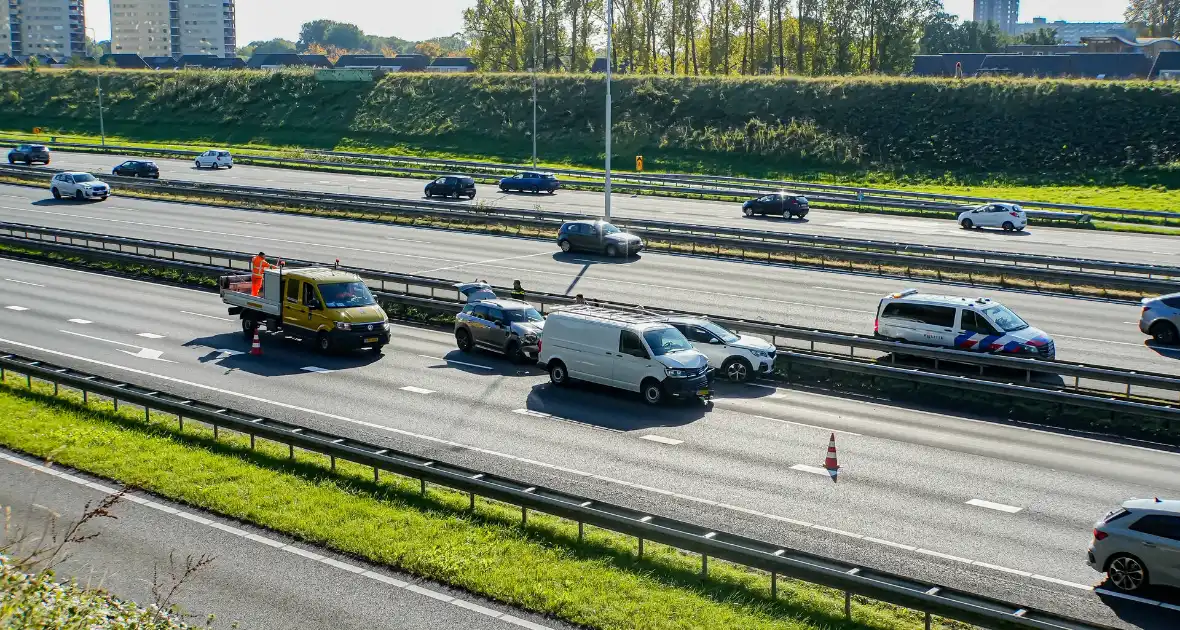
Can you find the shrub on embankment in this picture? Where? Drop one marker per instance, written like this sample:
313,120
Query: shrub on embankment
1000,125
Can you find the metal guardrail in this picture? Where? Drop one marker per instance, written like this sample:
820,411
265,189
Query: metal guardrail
435,294
778,560
873,255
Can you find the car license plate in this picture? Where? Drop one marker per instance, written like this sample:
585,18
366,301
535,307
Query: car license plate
703,392
370,340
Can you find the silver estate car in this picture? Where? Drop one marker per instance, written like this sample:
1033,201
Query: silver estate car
1139,544
1160,318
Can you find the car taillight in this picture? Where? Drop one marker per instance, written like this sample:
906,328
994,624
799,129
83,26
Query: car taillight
539,342
1014,214
876,321
1100,535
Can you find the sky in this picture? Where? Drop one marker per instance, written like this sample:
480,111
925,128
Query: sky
417,20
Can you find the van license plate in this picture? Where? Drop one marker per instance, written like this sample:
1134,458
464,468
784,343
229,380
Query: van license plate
371,340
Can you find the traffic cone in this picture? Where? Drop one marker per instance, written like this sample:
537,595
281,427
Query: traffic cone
830,460
256,348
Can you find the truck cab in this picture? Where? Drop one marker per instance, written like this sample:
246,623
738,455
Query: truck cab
333,308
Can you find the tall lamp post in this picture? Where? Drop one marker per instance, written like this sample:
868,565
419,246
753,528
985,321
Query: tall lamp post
610,27
102,128
534,86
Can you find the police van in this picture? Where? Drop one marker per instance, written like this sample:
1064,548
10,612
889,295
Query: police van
973,324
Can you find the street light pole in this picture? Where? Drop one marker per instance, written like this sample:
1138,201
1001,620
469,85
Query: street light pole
534,86
610,27
102,128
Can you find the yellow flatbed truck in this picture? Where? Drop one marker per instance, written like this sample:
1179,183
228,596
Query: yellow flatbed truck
332,308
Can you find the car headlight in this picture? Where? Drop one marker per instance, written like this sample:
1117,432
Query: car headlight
760,353
1030,349
679,372
530,337
343,326
385,326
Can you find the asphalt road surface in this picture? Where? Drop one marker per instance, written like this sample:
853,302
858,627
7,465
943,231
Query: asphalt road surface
257,579
1001,510
1040,240
1095,331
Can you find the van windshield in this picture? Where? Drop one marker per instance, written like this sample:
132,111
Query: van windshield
1004,318
346,295
665,340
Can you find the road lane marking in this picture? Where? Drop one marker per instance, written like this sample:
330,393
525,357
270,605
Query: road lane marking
81,321
31,284
224,319
225,354
846,291
314,369
16,308
481,262
474,365
804,424
944,556
815,470
888,543
1004,569
999,507
150,336
416,390
661,439
1121,343
1084,587
111,341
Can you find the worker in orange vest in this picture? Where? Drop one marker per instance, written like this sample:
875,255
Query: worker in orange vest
258,266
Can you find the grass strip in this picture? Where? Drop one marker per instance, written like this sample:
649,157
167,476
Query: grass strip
599,582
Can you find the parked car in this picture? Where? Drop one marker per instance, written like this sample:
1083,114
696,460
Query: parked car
1160,318
738,357
137,168
1008,216
451,186
631,351
785,204
29,154
487,322
531,181
976,325
599,237
1138,544
80,186
215,159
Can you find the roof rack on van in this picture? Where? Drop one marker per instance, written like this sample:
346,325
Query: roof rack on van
901,294
599,312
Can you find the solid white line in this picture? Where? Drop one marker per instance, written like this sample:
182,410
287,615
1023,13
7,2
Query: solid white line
999,568
836,531
416,390
103,275
804,424
848,291
1000,507
815,470
117,343
150,336
81,321
889,543
31,284
662,440
317,370
16,308
474,365
224,319
1083,587
1121,343
944,556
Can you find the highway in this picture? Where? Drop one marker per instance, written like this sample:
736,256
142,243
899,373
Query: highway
1039,240
1090,330
265,582
998,509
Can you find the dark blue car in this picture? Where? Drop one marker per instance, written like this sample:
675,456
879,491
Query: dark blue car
530,181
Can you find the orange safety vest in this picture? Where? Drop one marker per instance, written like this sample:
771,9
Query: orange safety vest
260,265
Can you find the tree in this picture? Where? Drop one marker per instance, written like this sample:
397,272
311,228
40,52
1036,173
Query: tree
1159,18
346,37
429,49
1039,37
314,32
269,47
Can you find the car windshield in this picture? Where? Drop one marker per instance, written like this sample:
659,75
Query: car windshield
346,295
1004,318
523,315
84,177
665,340
725,334
38,147
610,229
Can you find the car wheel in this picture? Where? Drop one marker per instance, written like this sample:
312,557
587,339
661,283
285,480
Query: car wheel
557,374
56,193
229,165
197,163
429,194
503,189
248,328
1009,227
28,162
653,391
78,195
612,251
749,212
515,354
463,340
967,224
536,190
323,343
565,246
11,160
737,370
1164,333
471,196
1126,573
552,191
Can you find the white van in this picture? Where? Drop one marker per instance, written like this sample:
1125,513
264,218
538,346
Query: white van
631,351
974,324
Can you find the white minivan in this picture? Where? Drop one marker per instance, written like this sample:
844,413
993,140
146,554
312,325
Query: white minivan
632,351
973,324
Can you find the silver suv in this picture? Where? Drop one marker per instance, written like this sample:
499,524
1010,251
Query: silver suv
1139,544
1159,318
487,322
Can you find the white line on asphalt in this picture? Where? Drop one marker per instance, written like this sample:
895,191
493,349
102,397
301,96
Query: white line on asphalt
999,568
1054,580
224,319
81,321
416,390
1000,507
16,308
1131,323
150,336
474,365
662,440
406,240
944,556
889,543
31,284
804,424
846,291
815,470
117,343
427,438
317,370
281,546
481,262
225,354
549,416
1121,343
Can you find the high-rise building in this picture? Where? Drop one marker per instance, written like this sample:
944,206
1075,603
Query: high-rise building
43,27
1002,12
1073,32
173,28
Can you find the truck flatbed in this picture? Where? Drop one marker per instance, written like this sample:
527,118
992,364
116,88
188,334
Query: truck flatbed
235,291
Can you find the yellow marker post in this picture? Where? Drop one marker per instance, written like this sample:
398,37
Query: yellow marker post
37,130
639,163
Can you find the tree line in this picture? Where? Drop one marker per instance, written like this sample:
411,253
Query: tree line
333,39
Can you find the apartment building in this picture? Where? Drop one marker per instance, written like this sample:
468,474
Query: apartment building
43,27
173,28
1073,32
1002,12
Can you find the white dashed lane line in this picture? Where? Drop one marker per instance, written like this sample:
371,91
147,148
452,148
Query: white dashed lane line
150,336
662,440
317,370
416,390
224,319
16,308
809,426
999,507
81,321
815,470
31,284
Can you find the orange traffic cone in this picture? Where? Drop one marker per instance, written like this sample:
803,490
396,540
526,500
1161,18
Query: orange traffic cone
256,348
830,460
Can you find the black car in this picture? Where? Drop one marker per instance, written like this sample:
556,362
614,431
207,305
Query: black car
789,205
530,181
137,168
599,237
451,186
29,153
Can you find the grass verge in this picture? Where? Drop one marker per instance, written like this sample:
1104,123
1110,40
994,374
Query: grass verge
598,582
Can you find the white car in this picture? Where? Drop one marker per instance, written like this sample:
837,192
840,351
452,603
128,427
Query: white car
215,158
1007,216
1138,545
80,186
738,357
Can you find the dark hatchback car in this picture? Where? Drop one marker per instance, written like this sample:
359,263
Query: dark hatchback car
451,186
789,205
137,168
599,237
530,181
29,154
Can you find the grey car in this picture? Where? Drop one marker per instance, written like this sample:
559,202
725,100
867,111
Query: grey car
598,237
1139,544
487,322
1160,318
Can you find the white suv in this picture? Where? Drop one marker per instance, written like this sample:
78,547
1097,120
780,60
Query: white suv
1007,216
80,186
976,325
215,158
739,357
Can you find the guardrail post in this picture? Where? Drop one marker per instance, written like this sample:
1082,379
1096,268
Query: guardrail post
641,548
704,565
29,381
251,441
927,621
333,460
376,475
116,403
179,419
54,386
774,585
290,451
423,480
85,401
214,430
581,532
848,605
524,516
472,496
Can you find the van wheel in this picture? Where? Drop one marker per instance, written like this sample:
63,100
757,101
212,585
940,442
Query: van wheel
967,224
1009,227
565,246
463,340
323,343
1164,333
557,374
737,370
653,391
248,328
612,251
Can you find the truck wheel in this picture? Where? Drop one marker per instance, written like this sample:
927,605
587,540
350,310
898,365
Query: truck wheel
248,328
323,343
